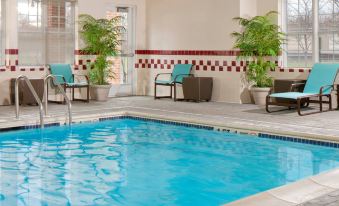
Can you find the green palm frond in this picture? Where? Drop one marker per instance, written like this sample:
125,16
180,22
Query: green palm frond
101,37
259,38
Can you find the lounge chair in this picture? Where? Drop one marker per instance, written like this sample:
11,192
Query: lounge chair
177,76
320,84
65,77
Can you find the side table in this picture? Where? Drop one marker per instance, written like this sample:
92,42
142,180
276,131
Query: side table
25,95
197,88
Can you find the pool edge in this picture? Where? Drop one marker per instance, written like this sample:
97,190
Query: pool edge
294,194
298,137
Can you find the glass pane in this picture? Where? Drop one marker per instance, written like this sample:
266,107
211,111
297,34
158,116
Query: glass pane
30,37
52,31
31,47
299,50
299,33
121,65
60,32
60,48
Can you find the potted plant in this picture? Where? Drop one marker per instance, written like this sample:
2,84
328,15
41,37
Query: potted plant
259,42
101,38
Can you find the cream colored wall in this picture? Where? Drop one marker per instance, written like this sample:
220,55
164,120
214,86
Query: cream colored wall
248,8
190,24
201,25
264,6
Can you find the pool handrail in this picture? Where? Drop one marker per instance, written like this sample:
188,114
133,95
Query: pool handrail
33,92
62,91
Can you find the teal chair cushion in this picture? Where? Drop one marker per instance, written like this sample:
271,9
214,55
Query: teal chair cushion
64,70
291,95
183,70
321,75
164,81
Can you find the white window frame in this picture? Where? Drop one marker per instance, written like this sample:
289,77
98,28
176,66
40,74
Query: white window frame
43,30
315,35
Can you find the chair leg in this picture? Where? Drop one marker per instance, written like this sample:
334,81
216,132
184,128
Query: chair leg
330,101
175,92
65,89
155,91
307,102
299,107
267,104
73,93
321,103
47,93
171,93
88,94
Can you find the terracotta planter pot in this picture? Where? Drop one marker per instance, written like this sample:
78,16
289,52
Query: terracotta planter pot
100,92
259,95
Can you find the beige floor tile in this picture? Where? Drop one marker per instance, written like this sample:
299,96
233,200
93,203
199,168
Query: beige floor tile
300,191
329,179
262,199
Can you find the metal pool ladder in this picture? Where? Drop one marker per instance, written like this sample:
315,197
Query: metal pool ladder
35,95
69,104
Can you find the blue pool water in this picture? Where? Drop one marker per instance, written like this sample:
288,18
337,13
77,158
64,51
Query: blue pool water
131,162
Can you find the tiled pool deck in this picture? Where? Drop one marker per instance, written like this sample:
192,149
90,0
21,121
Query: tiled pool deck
237,117
250,117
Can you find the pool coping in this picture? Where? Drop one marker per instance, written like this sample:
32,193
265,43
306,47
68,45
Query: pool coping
304,138
288,195
294,194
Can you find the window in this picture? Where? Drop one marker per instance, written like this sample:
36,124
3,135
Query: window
299,29
123,64
329,30
46,31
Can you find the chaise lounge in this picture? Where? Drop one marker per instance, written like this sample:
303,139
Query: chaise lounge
319,85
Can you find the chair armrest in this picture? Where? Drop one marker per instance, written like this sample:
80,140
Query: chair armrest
179,75
293,86
81,75
63,78
324,87
156,77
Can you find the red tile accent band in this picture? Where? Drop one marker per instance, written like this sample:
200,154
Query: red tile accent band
12,51
189,52
203,65
82,52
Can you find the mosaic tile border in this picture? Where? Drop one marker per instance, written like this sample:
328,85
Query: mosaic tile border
259,135
208,64
300,140
189,52
27,127
158,121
